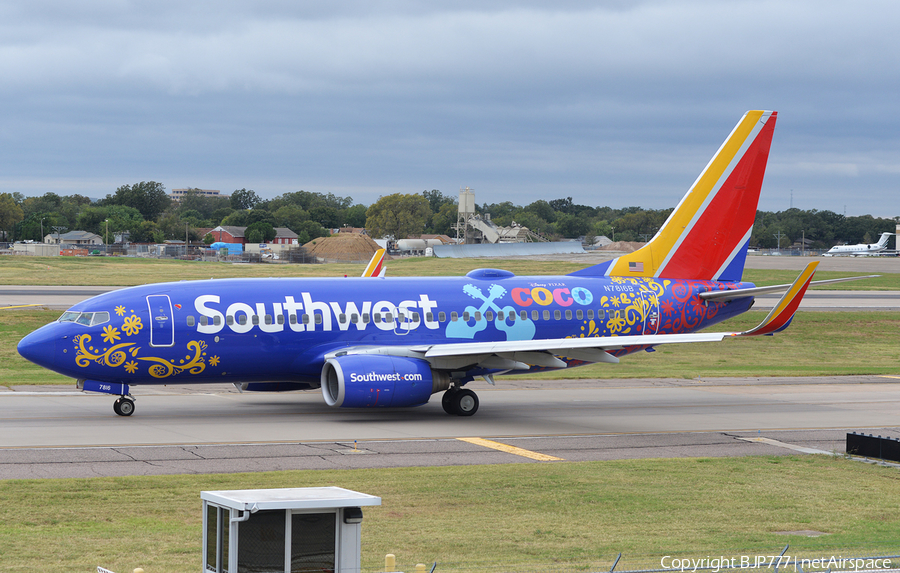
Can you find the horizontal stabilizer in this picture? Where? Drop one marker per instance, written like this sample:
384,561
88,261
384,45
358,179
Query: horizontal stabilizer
783,312
724,295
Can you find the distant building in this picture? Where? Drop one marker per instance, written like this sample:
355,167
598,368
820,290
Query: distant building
230,234
178,194
284,236
74,238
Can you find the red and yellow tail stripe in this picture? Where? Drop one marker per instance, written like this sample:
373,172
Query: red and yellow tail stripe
375,268
783,312
705,237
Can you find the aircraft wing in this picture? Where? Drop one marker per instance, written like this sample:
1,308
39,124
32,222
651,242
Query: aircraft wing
522,354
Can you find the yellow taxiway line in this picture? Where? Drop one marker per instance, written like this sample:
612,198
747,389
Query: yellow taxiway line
19,306
510,449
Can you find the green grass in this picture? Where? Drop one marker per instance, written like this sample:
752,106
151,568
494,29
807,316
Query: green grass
522,517
120,271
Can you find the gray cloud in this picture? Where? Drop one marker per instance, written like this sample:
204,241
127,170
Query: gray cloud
617,103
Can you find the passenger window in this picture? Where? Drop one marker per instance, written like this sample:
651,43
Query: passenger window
489,316
547,314
318,318
255,319
365,317
354,318
243,319
590,314
293,318
442,316
204,320
477,315
523,315
557,315
190,320
305,319
377,317
280,319
342,318
465,317
512,317
579,314
535,315
568,315
217,320
229,320
453,316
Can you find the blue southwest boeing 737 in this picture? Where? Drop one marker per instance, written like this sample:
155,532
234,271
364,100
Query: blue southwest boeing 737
393,342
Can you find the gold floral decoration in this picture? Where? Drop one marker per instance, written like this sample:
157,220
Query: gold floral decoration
110,334
132,325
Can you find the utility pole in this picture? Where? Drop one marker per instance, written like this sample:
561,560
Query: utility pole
778,236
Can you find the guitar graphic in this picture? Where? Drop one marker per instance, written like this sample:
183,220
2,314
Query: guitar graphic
514,329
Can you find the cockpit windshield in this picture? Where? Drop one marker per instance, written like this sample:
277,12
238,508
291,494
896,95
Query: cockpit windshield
85,318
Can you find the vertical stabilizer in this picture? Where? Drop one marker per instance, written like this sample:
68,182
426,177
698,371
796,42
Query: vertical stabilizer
706,236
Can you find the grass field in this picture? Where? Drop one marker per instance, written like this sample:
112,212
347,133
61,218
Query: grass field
523,517
120,271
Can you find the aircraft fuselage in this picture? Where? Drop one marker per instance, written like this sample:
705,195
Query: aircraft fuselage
280,329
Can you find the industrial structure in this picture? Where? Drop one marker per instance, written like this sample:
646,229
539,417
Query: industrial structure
473,228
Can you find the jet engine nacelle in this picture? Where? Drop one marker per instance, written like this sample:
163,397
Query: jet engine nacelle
379,381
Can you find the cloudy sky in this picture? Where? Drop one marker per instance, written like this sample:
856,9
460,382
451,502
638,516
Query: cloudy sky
610,102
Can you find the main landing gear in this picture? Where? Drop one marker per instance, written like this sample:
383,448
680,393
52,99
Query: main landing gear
124,406
460,402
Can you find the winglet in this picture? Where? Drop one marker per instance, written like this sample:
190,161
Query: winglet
780,316
376,267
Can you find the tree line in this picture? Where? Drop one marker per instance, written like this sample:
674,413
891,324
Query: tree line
146,212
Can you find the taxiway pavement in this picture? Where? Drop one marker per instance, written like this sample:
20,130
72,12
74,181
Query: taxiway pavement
55,432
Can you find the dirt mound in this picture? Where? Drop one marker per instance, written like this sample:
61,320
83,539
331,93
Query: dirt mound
622,246
343,247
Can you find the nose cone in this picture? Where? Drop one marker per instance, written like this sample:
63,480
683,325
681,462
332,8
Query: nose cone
40,347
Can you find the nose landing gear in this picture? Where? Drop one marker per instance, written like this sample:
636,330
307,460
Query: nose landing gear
124,406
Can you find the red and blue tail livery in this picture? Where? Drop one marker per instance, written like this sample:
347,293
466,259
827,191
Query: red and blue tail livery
395,342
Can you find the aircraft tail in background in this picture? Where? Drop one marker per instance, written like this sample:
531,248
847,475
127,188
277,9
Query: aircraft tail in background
376,267
706,236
